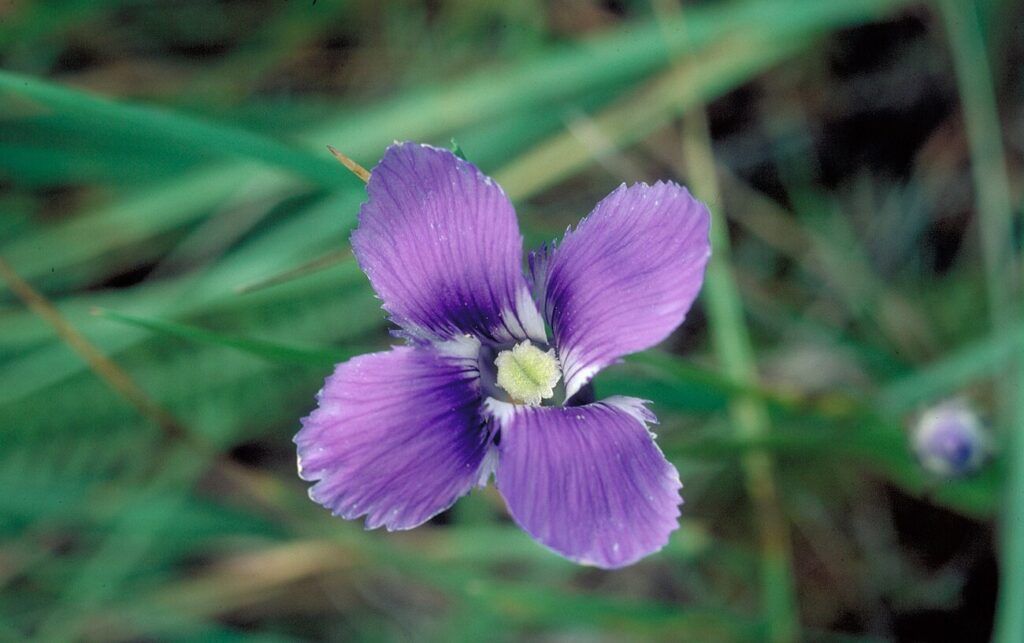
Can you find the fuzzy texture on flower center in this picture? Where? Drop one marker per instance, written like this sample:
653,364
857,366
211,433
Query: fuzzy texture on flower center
527,373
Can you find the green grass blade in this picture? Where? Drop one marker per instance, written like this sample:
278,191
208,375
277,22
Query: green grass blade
993,205
273,351
157,127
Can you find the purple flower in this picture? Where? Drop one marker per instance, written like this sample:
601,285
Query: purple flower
482,386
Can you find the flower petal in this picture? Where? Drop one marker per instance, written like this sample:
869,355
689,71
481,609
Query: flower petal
440,243
397,436
587,481
625,278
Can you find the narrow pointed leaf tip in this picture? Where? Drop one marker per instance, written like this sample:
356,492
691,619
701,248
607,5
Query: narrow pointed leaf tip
352,166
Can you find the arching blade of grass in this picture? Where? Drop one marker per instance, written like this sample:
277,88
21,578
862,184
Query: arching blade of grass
719,69
273,351
629,52
981,359
557,74
715,71
159,127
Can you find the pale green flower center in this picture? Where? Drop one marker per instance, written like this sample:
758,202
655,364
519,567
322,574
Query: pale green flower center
527,373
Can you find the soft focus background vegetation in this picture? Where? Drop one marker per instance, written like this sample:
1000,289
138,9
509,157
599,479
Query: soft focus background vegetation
164,184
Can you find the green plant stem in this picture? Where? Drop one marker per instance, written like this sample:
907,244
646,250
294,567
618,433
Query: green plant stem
993,205
731,340
984,138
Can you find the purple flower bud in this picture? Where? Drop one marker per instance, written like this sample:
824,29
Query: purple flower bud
950,440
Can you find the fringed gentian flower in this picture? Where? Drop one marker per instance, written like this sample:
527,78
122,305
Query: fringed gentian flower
482,386
949,439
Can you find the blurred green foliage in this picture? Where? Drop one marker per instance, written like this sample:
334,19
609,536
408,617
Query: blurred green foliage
164,180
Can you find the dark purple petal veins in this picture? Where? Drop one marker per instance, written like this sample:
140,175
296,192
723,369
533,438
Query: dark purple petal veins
397,436
624,279
440,243
587,481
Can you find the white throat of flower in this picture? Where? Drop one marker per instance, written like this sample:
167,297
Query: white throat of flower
527,373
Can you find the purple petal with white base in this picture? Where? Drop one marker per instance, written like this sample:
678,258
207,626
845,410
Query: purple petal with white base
625,278
587,481
440,243
397,436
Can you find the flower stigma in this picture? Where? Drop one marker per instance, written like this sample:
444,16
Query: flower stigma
527,373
